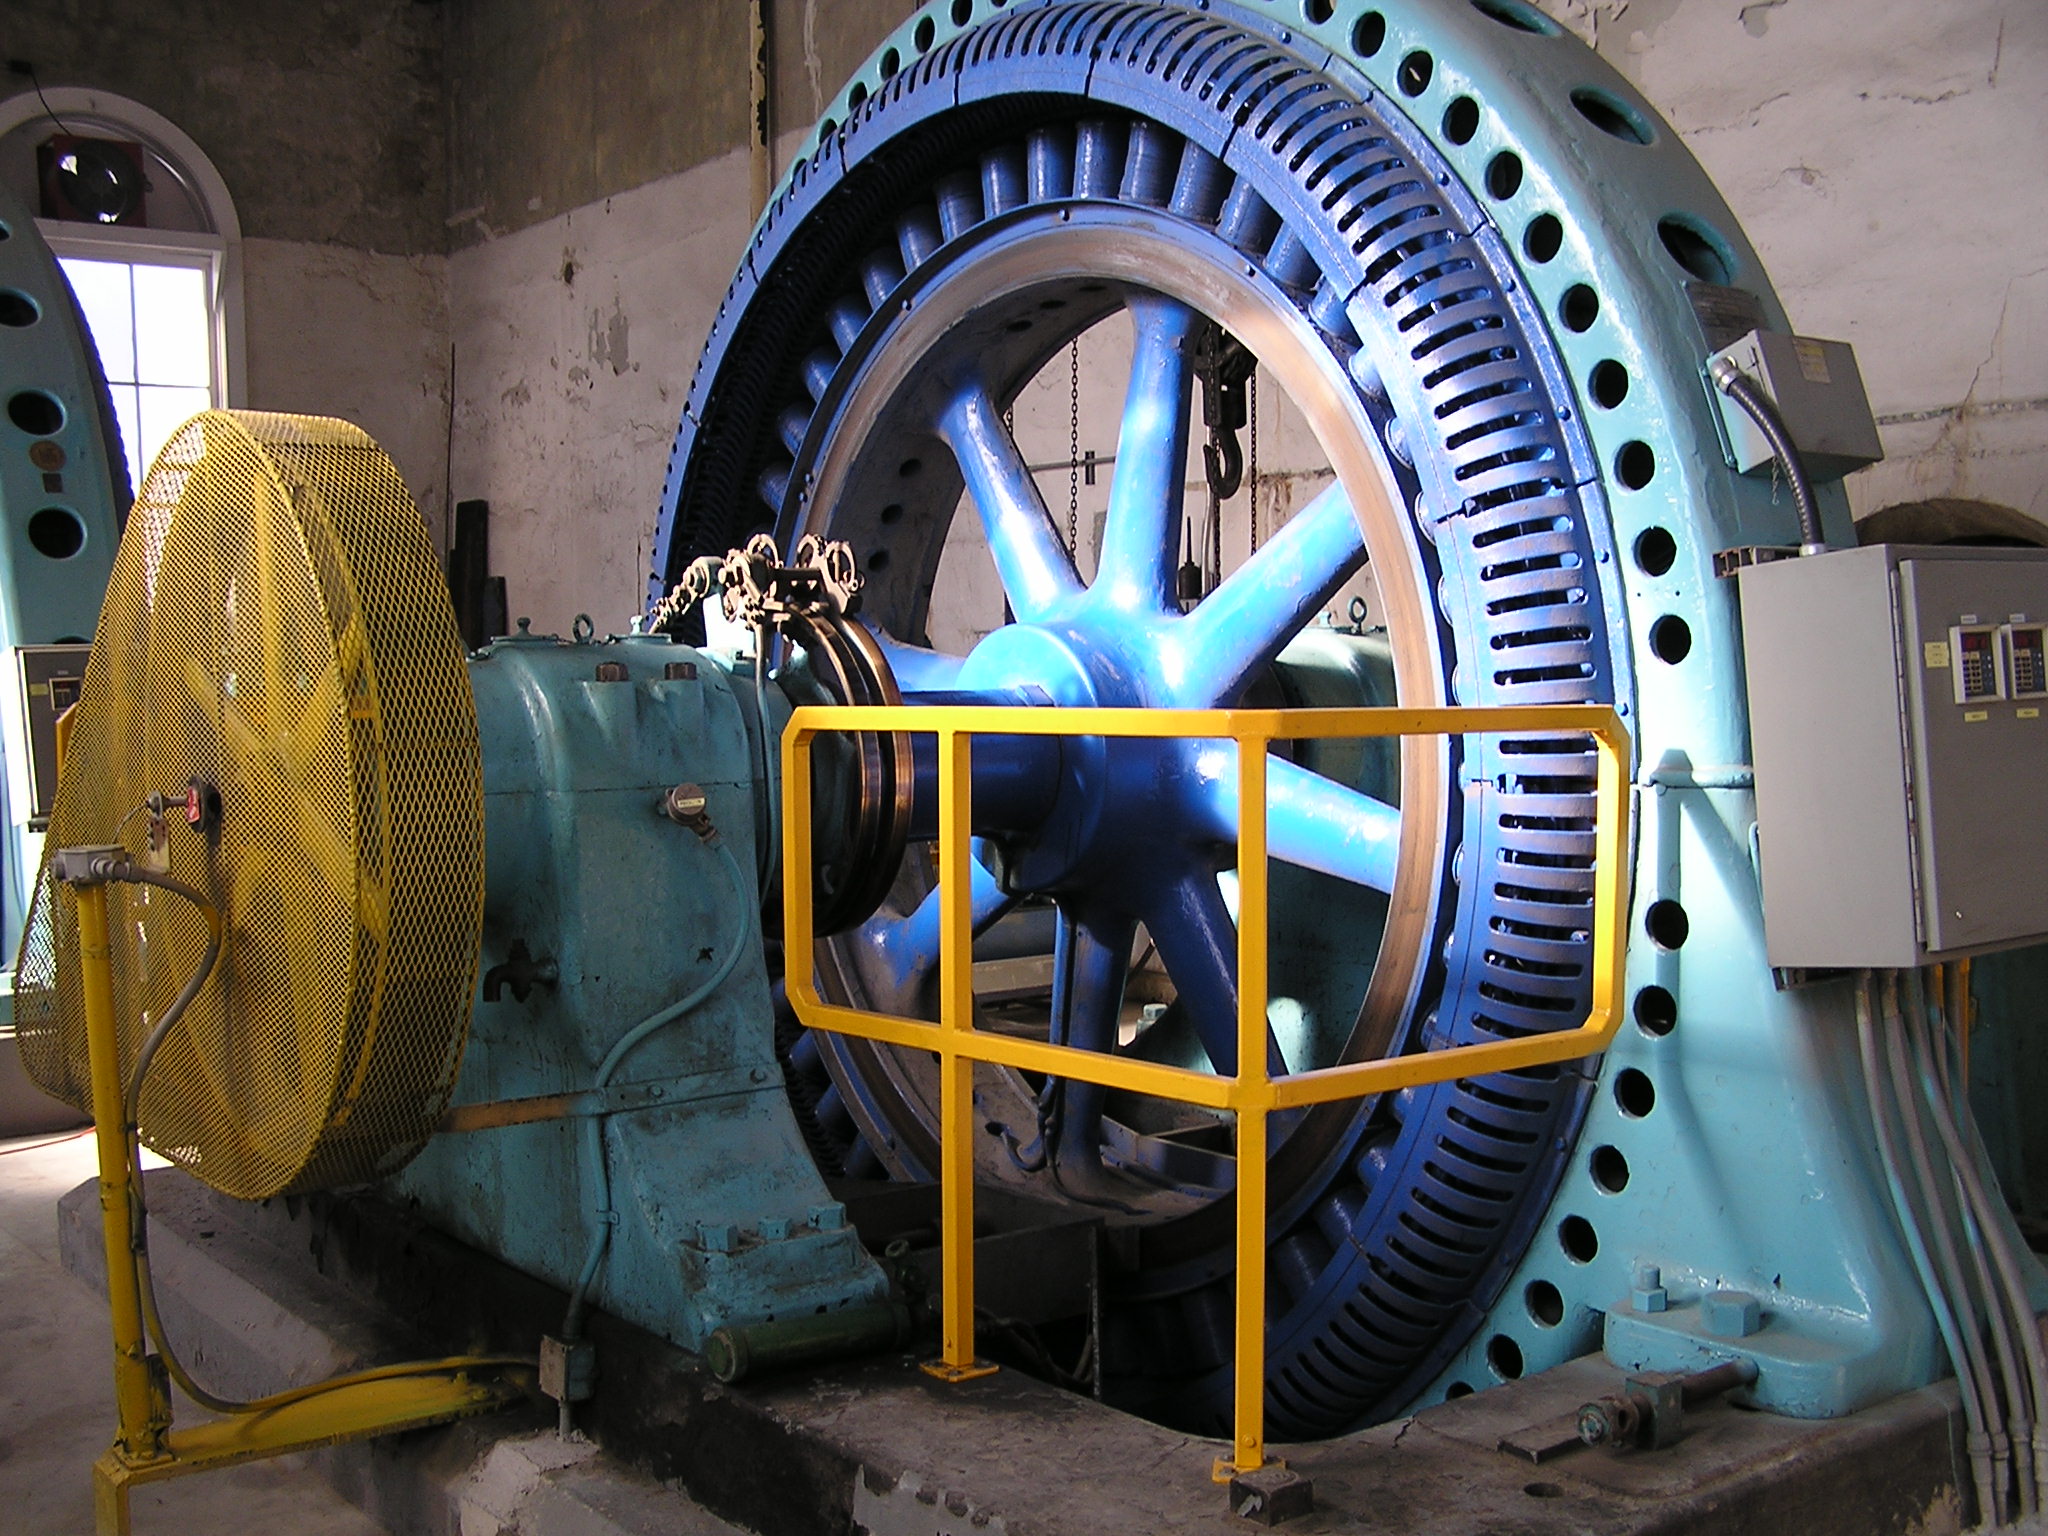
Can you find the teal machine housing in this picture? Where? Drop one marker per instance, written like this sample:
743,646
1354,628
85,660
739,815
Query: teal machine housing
600,911
64,495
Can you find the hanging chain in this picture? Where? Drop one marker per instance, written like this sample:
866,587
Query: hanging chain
1074,447
1252,476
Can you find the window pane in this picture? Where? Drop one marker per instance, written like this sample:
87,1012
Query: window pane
102,289
164,411
129,418
171,330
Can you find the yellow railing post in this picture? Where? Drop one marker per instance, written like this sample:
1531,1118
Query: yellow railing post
1252,1094
141,1423
956,1361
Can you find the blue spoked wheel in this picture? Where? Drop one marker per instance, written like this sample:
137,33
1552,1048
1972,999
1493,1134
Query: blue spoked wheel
1003,192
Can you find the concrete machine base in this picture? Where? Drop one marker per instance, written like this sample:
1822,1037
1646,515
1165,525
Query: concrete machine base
264,1296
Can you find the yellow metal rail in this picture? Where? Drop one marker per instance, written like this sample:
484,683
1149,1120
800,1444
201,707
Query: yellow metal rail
1252,1094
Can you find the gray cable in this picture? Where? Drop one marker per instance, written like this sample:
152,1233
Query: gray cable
1916,1244
1960,1134
1992,1506
1972,1219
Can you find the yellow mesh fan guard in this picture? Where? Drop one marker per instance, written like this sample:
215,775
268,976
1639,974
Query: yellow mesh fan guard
276,623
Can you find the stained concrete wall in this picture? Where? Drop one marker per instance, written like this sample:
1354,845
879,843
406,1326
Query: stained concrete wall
1878,155
325,119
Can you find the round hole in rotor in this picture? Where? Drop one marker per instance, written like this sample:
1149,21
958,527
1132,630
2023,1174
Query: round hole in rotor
891,62
963,12
1545,1303
1368,34
1415,71
893,513
1505,1356
1580,1242
1636,465
1457,1389
1316,12
922,37
1666,924
1671,639
1634,1094
17,308
909,468
879,560
1579,307
1656,1011
857,95
1656,551
1461,120
1611,115
1523,18
56,533
1697,247
35,412
1609,383
1504,174
1609,1169
1543,239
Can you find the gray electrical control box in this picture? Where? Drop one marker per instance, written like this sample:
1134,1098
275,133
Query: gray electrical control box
1818,391
47,680
1898,700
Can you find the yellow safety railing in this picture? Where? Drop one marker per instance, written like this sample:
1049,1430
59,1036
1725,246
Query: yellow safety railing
1252,1094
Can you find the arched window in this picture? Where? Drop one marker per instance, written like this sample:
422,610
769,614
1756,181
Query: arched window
145,230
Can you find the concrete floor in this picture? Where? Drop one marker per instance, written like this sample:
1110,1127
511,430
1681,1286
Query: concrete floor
57,1396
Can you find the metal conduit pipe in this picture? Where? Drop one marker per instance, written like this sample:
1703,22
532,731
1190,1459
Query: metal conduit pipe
1960,1134
1977,1440
1992,1433
2016,1427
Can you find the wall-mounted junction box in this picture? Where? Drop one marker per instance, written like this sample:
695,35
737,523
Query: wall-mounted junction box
1818,391
1899,729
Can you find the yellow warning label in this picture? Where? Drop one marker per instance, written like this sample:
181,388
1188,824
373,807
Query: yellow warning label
1813,360
2028,714
1935,654
1972,716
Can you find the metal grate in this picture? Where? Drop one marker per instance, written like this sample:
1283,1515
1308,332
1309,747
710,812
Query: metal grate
276,623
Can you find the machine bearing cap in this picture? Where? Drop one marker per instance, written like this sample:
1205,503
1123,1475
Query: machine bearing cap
1304,183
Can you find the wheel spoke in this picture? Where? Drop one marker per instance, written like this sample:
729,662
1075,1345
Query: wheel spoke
908,947
1091,961
1313,822
1243,624
1143,527
1198,942
1035,569
916,669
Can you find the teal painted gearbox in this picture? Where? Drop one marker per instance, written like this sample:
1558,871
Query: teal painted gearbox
600,911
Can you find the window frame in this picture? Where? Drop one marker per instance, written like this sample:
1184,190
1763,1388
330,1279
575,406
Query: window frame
220,250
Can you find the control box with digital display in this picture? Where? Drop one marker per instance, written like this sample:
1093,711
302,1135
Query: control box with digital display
1898,733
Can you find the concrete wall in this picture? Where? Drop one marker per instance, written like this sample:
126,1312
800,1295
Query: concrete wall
1885,159
1878,155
